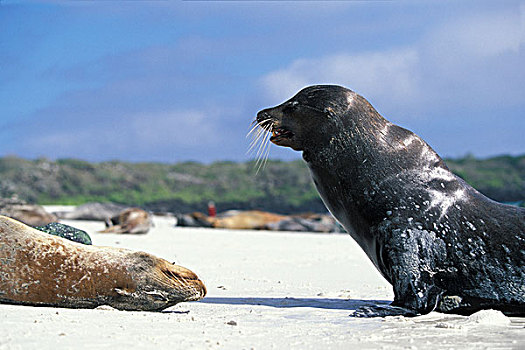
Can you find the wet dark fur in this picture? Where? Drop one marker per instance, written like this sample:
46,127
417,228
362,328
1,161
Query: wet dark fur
439,242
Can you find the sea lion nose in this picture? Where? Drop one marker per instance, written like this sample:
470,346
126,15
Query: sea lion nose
273,113
263,115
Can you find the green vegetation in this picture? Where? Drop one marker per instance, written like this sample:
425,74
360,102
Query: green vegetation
283,187
500,178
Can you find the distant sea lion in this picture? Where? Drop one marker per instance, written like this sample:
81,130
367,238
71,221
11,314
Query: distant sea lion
92,211
305,223
195,219
30,214
40,269
130,220
439,242
246,220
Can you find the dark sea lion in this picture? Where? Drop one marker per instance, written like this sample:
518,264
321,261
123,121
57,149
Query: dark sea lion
195,219
40,269
439,242
130,220
305,223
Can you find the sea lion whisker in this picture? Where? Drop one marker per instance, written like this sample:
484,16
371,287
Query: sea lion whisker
259,133
263,152
267,153
254,125
260,151
262,140
260,130
256,142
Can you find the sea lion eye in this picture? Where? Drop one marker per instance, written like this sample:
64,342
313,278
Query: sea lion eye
290,107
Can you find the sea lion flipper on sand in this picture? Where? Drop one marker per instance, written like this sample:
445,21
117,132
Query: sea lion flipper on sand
40,269
440,243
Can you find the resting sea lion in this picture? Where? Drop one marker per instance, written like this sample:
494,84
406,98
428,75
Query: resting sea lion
246,220
40,269
439,242
131,220
92,211
29,214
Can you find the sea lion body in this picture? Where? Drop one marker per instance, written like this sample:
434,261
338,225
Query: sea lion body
130,220
246,220
439,242
29,214
92,211
40,269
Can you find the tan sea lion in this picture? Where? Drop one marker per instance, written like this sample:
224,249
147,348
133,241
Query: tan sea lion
246,220
92,211
40,269
30,214
130,220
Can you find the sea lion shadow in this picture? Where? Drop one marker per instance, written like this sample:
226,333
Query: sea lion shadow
287,302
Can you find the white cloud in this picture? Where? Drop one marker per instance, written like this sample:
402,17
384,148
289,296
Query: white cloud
174,128
379,74
474,61
482,35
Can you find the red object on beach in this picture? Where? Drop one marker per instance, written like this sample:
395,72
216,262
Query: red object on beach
212,211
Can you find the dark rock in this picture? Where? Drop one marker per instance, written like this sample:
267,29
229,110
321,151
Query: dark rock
67,232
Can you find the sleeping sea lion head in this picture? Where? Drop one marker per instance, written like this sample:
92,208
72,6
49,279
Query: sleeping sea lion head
157,284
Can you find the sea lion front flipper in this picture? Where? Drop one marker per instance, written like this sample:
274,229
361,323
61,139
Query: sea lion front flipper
413,256
113,229
382,311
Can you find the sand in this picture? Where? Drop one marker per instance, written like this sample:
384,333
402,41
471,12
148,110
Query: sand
266,290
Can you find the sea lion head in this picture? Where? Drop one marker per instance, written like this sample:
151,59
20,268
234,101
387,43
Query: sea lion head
327,122
313,118
157,284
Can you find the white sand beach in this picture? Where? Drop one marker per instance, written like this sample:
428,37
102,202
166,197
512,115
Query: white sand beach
266,290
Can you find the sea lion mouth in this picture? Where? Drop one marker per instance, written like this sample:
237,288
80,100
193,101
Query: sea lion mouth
281,134
187,285
268,128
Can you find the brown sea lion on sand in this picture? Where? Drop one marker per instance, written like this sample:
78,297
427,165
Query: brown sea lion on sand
92,211
29,214
40,269
246,220
232,220
130,220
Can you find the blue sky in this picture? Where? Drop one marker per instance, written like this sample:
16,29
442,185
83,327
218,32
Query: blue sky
173,81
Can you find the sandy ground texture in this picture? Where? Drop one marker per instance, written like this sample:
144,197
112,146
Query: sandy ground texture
266,290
